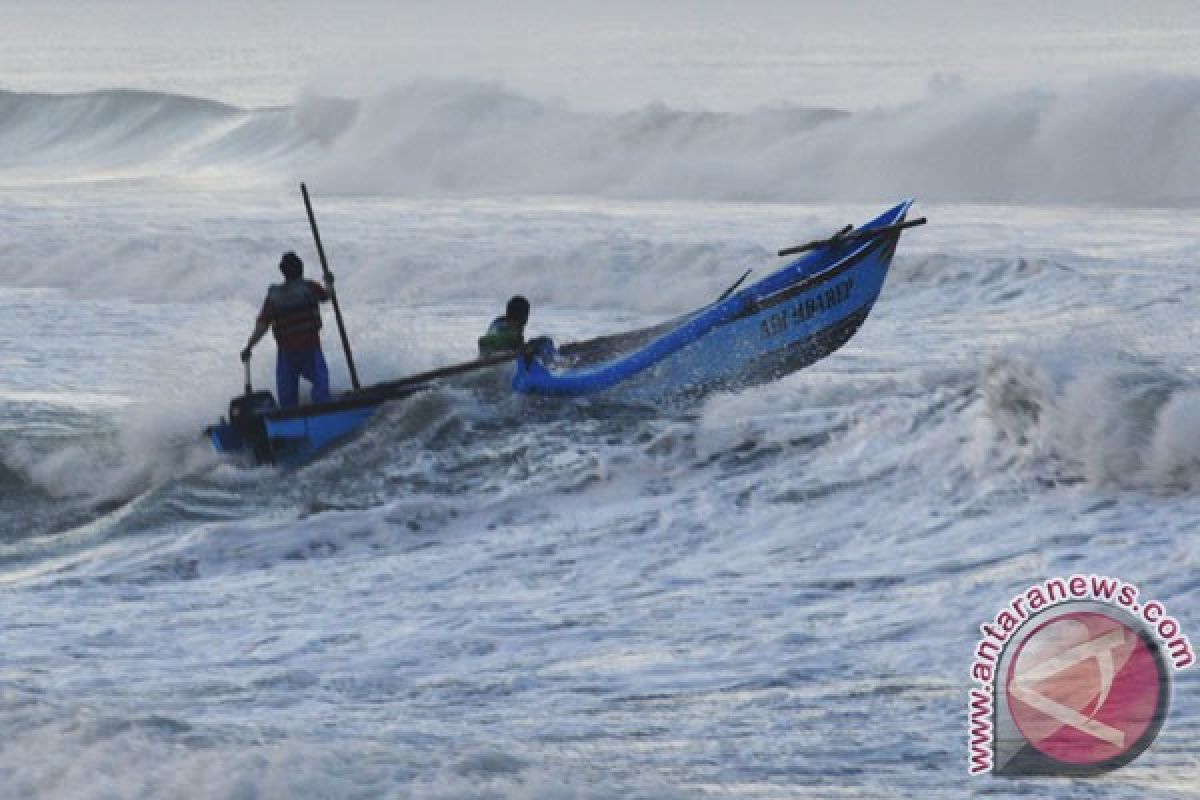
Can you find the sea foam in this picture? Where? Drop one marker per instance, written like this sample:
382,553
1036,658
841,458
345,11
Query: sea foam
1123,140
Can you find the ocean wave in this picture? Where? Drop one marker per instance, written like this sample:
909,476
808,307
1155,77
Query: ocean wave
90,132
1110,419
1121,141
941,269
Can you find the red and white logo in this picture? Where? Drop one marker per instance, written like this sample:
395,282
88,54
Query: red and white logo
1085,689
1073,678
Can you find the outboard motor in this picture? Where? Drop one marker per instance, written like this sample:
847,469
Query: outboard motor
245,417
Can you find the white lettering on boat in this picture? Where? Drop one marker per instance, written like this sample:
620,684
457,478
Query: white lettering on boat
805,309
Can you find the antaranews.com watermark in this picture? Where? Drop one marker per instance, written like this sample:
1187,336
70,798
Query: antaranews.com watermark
1074,678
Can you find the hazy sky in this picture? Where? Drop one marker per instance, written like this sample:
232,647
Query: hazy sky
612,54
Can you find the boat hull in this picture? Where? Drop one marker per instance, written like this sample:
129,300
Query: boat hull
789,320
288,440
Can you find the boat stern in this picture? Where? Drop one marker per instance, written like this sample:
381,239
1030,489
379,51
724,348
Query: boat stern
245,430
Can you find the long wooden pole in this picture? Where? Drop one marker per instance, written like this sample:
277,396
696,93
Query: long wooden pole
312,221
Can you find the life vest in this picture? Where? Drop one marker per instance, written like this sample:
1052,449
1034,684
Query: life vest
500,336
295,314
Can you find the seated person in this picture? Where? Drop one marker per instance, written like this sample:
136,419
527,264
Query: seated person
506,333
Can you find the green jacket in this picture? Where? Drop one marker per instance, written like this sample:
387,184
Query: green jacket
501,335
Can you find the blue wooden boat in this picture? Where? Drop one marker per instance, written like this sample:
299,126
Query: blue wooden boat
801,313
793,317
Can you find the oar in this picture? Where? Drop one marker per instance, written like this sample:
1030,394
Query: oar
844,235
312,221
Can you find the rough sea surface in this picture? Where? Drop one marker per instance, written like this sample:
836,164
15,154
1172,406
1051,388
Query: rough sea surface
774,593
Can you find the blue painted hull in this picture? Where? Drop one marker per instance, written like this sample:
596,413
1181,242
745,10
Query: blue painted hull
788,320
298,439
292,438
793,317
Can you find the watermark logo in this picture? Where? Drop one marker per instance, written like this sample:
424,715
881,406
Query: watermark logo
1087,689
1074,679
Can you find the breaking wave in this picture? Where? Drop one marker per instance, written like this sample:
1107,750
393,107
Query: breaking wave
1109,419
1122,141
124,129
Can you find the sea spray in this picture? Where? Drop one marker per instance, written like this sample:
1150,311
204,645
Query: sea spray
1122,140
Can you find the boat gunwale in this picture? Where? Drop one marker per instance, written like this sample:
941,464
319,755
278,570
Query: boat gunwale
752,306
757,305
364,398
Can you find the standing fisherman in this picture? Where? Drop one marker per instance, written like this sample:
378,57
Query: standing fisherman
292,311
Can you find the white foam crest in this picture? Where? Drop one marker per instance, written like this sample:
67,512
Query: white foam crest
1102,416
154,434
150,446
382,255
1123,140
1174,457
460,136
